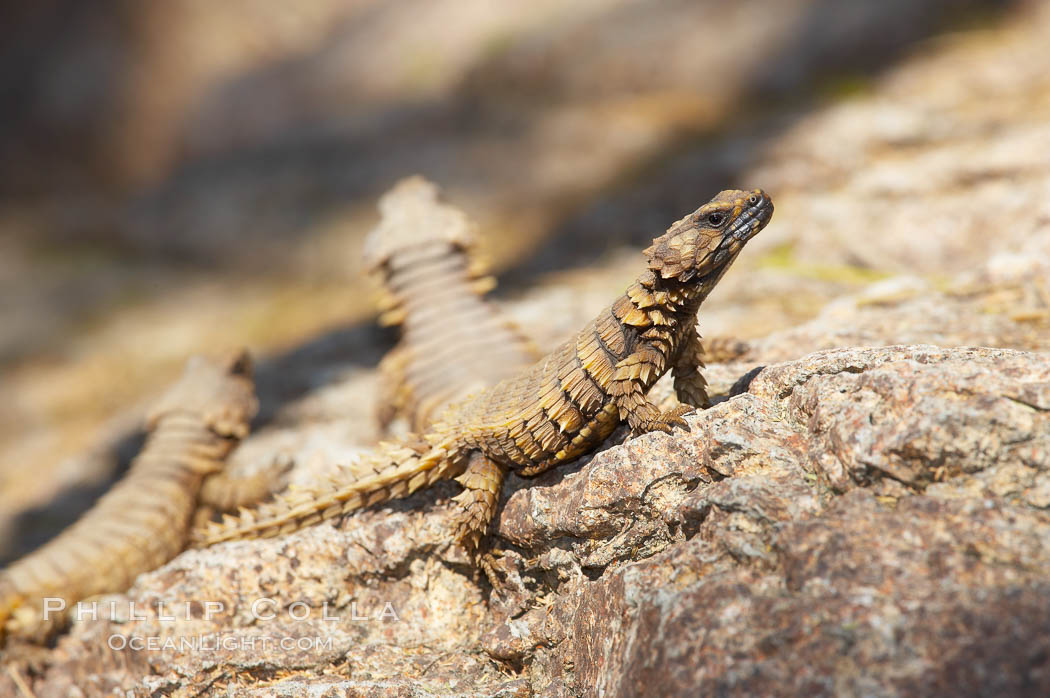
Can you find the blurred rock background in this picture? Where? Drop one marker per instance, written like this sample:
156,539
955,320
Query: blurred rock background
182,176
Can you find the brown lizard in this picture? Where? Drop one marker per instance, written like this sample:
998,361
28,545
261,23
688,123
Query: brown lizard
144,520
424,255
559,408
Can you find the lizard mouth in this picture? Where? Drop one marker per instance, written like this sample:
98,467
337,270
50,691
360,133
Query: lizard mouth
746,226
751,220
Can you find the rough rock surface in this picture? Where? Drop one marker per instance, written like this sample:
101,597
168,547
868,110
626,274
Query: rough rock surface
864,511
858,521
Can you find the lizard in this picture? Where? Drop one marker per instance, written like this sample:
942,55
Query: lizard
559,408
423,254
143,521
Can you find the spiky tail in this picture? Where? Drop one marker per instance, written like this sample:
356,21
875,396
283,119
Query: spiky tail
397,471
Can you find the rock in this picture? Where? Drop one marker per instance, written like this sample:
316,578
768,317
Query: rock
932,597
858,521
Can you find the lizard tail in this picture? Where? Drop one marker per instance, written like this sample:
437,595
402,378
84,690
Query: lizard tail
397,471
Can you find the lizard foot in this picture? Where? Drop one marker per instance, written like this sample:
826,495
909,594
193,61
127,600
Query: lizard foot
505,572
488,562
666,421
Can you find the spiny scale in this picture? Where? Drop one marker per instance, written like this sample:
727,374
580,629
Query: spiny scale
565,404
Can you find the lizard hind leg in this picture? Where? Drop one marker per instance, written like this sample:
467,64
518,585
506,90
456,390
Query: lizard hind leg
227,492
476,504
393,398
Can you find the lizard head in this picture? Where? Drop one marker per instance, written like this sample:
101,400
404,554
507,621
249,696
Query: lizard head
218,390
702,245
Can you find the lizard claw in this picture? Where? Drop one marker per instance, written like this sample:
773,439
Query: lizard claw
673,418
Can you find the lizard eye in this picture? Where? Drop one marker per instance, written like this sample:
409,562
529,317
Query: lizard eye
753,199
716,218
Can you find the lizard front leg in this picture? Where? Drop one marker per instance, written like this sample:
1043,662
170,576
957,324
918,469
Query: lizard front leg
689,383
482,482
628,387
